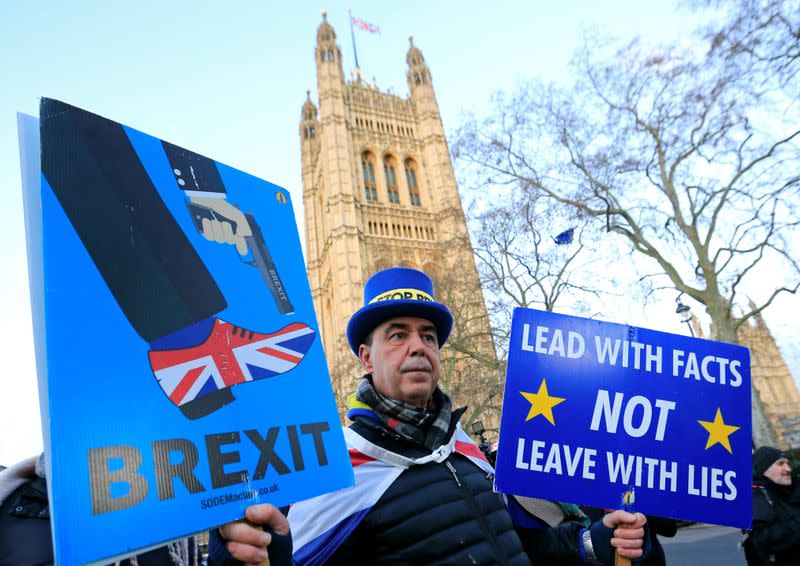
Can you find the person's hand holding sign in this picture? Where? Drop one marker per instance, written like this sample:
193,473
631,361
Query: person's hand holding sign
628,537
248,540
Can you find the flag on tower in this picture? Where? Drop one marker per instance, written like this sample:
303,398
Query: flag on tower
366,26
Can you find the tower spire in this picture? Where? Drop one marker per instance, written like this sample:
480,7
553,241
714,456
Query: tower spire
418,72
379,190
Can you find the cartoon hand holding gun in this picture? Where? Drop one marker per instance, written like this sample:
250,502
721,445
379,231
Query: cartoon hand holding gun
219,221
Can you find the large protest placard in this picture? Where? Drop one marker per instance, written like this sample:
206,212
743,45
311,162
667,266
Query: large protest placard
182,377
594,409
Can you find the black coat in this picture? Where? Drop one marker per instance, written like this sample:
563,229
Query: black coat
775,536
442,513
25,537
25,526
447,513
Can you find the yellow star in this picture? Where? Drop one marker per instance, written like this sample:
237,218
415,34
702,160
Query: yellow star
718,432
542,403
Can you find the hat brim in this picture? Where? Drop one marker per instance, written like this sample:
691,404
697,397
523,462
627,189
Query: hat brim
369,317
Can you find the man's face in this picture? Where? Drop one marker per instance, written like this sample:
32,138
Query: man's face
403,359
780,472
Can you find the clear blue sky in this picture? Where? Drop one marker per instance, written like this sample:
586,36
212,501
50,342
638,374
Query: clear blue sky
227,79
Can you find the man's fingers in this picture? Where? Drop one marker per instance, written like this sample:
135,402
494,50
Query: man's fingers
245,533
628,537
247,541
640,521
269,516
634,536
247,553
630,534
621,518
632,553
618,517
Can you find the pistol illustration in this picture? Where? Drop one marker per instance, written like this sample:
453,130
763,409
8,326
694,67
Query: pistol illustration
199,178
257,247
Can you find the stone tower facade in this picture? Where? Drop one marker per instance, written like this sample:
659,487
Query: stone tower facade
774,382
771,379
379,191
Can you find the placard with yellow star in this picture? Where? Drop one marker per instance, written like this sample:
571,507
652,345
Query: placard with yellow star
718,432
542,403
593,409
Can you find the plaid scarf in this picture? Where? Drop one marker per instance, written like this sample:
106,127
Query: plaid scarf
428,426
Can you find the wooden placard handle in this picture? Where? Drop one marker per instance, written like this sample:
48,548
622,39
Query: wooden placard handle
621,560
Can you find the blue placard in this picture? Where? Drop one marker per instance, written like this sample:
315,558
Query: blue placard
181,369
594,409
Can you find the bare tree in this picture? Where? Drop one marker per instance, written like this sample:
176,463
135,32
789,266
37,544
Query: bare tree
759,38
522,264
518,266
682,159
472,374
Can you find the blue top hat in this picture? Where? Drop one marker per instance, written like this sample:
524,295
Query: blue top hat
394,292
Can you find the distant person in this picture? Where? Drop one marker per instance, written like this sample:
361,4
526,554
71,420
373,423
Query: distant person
775,536
25,537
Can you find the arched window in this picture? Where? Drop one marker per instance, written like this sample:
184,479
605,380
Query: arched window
411,180
389,170
368,172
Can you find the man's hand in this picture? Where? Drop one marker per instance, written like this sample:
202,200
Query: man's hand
233,232
247,541
628,536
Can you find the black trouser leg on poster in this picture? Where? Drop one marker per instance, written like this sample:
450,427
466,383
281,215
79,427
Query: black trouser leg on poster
148,263
155,275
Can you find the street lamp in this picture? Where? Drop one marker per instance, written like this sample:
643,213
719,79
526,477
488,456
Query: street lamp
478,430
685,313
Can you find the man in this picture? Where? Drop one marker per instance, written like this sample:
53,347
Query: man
423,492
775,536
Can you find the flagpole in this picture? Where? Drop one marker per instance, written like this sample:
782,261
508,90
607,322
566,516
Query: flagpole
353,37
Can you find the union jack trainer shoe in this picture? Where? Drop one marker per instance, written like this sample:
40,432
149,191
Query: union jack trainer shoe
197,378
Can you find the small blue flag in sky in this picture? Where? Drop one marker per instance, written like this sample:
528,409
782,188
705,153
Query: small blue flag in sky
564,237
